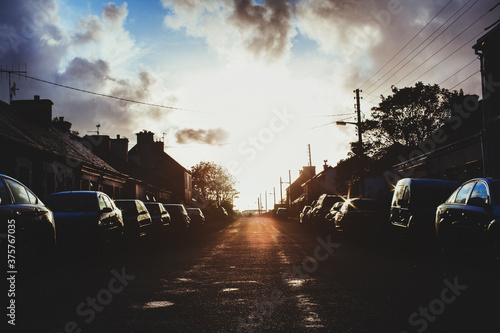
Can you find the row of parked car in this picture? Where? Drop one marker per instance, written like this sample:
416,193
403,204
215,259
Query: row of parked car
87,220
423,212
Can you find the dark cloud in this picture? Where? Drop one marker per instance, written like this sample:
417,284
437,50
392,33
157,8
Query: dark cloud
115,14
209,136
90,28
270,24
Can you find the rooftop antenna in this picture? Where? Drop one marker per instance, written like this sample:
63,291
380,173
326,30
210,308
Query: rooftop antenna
97,131
10,73
163,136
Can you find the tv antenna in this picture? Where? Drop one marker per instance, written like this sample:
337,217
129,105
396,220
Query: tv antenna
10,73
97,131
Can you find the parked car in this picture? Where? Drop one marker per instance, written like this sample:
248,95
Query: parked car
330,217
197,217
360,219
304,214
86,220
413,207
160,217
470,218
136,218
322,207
27,219
282,213
180,217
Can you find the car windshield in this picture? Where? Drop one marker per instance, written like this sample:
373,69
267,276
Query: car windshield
129,208
154,209
72,202
429,196
329,201
174,210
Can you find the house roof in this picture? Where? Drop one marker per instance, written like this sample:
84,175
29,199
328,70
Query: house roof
17,129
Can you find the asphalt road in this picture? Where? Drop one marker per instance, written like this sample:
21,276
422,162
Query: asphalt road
260,274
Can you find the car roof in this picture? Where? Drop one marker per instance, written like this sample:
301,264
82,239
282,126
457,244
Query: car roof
426,181
78,192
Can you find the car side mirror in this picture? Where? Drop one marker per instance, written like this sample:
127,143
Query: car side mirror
106,210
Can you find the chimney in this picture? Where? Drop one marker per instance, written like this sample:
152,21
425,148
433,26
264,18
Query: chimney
37,110
145,138
98,144
119,146
61,124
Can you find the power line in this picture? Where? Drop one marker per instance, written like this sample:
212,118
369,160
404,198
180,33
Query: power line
411,40
109,96
327,115
465,79
398,70
442,48
461,69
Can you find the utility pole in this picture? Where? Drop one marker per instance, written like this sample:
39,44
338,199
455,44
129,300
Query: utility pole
309,153
281,191
266,201
360,144
360,131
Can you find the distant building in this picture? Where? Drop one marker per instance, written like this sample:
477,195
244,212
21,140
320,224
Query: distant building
296,198
322,182
150,156
44,154
140,184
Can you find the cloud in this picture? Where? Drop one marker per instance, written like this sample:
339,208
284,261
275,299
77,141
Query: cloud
206,136
233,28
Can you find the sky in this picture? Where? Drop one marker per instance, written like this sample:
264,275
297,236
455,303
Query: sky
243,83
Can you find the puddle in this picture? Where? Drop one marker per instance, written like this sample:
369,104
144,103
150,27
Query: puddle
230,289
153,305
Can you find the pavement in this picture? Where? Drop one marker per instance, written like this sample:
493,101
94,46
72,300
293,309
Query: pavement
260,274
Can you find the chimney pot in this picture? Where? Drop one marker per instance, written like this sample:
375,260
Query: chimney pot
37,97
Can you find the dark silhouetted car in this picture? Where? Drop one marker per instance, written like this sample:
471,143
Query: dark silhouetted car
360,218
282,213
330,217
85,220
180,218
304,214
136,218
470,219
161,218
323,205
197,217
28,222
413,207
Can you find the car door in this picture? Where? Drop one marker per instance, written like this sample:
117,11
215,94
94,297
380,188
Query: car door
478,214
400,206
23,207
456,213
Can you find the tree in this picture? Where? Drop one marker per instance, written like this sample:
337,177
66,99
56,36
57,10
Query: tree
214,183
407,117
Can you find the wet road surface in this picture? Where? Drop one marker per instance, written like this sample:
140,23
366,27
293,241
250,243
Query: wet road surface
260,274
